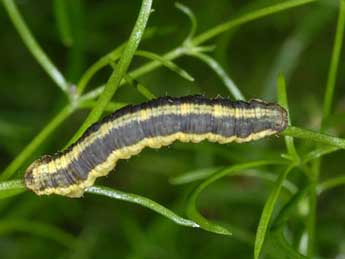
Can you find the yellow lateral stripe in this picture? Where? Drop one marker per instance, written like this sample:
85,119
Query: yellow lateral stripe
181,109
76,190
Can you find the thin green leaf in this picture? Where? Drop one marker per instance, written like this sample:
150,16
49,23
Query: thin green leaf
290,207
140,87
319,152
254,15
34,47
333,69
192,211
203,173
143,201
111,107
331,183
267,212
279,243
11,188
165,62
216,67
63,22
314,136
101,63
187,11
117,75
35,143
283,101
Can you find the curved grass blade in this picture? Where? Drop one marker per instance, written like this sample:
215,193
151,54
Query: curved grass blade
118,74
192,211
187,11
140,87
61,12
203,173
165,62
216,67
267,212
36,142
143,201
279,243
35,49
314,136
331,183
283,101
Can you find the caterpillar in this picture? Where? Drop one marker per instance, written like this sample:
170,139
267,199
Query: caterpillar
154,124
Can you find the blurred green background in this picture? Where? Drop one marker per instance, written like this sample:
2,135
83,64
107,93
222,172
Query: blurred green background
297,42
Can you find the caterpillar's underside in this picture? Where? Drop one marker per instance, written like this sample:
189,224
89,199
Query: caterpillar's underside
154,124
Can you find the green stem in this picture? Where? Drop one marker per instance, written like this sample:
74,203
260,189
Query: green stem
35,143
116,77
34,47
314,136
143,201
327,105
247,18
333,69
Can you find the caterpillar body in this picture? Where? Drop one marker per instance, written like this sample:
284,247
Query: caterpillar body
154,124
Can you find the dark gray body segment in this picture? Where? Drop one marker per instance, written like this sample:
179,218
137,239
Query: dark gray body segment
162,125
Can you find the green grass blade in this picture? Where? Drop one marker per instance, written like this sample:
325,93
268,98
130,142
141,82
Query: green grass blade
333,69
317,153
290,207
63,22
101,63
203,173
314,136
31,43
254,15
331,183
187,11
143,90
283,248
35,143
216,67
143,201
116,77
192,211
267,213
283,101
11,188
111,107
165,62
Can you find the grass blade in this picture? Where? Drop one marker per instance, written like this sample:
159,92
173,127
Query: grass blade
169,64
192,211
116,77
34,47
143,201
267,212
283,101
11,188
216,67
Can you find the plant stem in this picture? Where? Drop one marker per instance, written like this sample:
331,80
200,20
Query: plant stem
34,47
314,136
247,18
35,143
116,77
333,69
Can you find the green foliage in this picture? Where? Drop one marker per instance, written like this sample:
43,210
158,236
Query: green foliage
270,207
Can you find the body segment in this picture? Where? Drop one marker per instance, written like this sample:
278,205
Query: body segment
156,123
